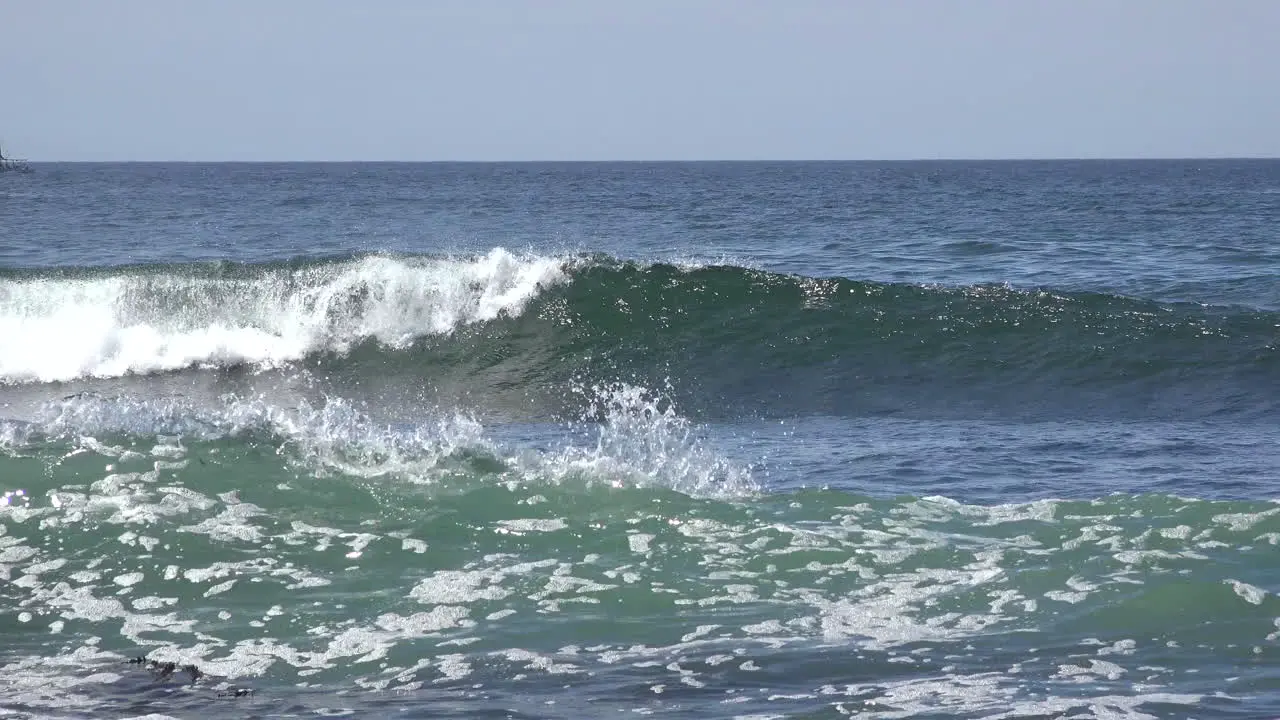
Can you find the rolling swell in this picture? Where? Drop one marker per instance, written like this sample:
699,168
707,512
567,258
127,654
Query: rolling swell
503,330
731,341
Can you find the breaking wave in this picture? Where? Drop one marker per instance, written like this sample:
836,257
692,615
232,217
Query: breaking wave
727,340
106,323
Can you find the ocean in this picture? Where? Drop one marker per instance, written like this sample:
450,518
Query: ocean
689,440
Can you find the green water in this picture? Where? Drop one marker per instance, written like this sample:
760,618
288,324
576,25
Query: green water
287,555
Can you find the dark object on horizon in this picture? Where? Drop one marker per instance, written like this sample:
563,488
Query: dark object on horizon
13,164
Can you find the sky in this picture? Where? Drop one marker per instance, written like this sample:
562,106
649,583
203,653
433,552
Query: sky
425,80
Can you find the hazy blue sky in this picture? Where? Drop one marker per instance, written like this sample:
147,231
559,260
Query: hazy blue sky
638,79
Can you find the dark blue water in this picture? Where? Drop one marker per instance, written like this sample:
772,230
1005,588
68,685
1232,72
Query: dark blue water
953,439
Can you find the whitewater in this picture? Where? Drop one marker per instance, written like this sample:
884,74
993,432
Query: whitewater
144,320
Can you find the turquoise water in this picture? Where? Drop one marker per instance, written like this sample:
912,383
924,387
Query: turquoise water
973,440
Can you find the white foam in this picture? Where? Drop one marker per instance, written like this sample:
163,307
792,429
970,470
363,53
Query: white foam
639,542
1251,594
439,618
521,526
458,586
44,682
63,329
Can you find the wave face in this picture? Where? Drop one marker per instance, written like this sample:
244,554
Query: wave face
834,345
729,340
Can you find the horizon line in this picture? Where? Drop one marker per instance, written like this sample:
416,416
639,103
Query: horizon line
1117,158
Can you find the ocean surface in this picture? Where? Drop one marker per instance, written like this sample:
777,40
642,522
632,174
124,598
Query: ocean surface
700,440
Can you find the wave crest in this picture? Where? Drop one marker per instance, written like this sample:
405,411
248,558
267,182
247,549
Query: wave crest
62,328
